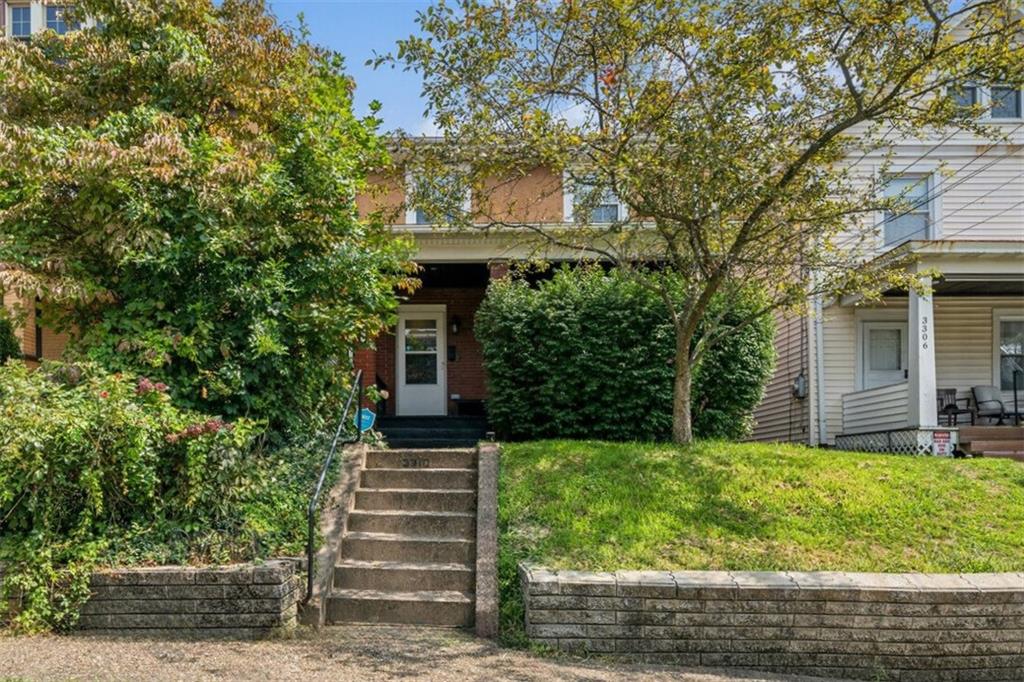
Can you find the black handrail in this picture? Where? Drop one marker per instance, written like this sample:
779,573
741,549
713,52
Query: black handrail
314,500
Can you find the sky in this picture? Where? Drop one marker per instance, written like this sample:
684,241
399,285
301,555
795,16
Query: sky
357,28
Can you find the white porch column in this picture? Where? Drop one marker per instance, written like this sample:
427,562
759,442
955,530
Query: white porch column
922,409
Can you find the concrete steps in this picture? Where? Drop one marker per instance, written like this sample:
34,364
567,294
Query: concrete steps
408,553
421,607
407,522
432,432
395,576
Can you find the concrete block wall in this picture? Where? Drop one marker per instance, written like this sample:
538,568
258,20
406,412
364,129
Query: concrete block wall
244,601
901,627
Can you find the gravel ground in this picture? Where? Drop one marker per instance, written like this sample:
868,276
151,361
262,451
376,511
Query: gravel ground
336,654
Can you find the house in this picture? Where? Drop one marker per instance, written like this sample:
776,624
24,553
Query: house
869,376
854,374
19,19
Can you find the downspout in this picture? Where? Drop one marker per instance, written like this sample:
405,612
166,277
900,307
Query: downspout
819,370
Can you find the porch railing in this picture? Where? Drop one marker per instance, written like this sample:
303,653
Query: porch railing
875,409
314,500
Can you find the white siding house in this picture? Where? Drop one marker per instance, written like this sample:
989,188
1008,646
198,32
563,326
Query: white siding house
879,367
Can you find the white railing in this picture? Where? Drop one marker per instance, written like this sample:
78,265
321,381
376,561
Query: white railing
875,409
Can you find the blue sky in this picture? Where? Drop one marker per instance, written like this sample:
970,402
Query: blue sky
356,28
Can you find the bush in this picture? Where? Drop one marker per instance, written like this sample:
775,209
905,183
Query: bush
589,355
9,346
92,461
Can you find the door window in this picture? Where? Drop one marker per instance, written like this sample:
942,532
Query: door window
885,353
420,351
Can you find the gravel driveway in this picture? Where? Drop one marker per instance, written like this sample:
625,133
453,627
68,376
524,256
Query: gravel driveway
337,653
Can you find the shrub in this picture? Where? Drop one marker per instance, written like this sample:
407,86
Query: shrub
9,346
89,458
589,355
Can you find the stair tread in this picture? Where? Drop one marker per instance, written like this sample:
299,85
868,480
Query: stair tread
402,565
441,491
401,537
417,596
448,470
414,512
420,451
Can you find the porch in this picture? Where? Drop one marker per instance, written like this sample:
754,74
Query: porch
923,363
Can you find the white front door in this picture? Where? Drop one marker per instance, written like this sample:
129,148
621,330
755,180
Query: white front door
421,361
884,359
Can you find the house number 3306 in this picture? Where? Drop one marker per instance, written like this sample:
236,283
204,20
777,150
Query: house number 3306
924,332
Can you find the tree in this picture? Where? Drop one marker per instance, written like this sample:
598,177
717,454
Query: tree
731,130
177,186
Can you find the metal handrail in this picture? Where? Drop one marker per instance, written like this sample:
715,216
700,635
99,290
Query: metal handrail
314,500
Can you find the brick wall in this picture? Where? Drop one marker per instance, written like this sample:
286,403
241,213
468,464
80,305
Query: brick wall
905,627
237,601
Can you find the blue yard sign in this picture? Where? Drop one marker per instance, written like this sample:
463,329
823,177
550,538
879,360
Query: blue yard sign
364,419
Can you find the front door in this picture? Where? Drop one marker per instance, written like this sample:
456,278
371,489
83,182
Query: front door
420,364
884,359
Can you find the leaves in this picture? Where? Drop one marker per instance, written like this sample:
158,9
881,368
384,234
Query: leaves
178,188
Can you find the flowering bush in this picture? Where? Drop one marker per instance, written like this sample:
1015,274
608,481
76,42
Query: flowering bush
88,457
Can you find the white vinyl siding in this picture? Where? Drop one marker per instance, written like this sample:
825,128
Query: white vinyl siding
875,409
780,416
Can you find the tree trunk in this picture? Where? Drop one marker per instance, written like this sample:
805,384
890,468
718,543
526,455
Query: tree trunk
682,420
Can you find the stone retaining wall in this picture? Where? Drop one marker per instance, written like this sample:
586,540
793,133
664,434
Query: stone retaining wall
235,601
905,627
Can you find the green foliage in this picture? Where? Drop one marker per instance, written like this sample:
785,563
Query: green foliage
590,355
178,187
97,467
751,507
9,346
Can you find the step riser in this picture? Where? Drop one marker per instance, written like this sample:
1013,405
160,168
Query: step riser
968,433
433,442
426,479
416,501
343,610
422,459
994,445
410,551
403,580
439,526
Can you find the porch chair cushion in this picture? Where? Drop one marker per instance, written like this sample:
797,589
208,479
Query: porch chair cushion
988,401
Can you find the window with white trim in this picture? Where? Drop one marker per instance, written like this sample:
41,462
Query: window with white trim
911,217
603,205
1008,333
21,22
452,186
56,19
998,102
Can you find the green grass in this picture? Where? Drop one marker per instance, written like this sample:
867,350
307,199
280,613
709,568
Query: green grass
740,506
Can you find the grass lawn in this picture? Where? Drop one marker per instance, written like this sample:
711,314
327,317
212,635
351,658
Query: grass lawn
603,506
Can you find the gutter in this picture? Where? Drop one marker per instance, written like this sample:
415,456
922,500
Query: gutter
819,370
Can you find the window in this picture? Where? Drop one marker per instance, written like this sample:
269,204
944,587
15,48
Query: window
449,191
603,205
56,19
965,96
21,22
1009,350
998,102
1005,102
911,217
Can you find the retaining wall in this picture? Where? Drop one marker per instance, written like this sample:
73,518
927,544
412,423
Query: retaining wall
236,601
905,627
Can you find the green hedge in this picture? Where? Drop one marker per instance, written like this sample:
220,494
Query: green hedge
589,354
9,346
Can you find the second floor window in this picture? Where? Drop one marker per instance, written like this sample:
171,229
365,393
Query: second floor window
602,204
56,19
450,196
911,218
1005,102
21,23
